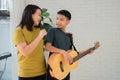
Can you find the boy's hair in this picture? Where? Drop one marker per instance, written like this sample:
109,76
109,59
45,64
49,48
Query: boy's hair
65,13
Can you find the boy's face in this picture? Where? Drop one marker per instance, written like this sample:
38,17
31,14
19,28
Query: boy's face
61,21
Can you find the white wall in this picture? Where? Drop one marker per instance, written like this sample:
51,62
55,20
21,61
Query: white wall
92,20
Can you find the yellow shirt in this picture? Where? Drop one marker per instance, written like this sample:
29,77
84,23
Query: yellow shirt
33,64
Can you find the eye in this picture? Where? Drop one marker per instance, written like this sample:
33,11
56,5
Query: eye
56,18
61,19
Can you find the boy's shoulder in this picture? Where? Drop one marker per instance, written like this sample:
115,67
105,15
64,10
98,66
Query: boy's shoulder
53,29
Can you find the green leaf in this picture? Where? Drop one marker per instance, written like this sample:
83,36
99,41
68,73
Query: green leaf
44,10
50,20
46,14
47,26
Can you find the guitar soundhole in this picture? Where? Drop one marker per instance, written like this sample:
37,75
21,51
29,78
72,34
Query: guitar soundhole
61,66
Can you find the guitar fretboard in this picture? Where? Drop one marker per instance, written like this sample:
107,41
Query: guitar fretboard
83,54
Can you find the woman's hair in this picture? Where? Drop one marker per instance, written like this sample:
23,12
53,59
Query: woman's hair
27,16
66,13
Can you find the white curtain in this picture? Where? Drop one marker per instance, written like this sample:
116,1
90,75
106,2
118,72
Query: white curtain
4,5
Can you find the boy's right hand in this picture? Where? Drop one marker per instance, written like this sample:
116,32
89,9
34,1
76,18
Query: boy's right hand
67,57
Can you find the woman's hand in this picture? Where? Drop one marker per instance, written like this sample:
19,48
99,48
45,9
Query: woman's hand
43,33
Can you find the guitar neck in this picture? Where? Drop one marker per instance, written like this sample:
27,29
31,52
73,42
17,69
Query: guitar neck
83,54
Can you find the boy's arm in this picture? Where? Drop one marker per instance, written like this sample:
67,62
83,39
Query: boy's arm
53,49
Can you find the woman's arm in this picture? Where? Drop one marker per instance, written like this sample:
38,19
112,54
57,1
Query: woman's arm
27,49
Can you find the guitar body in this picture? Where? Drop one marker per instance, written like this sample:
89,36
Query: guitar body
59,67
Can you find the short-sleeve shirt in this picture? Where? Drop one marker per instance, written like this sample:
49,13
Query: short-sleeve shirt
33,64
58,39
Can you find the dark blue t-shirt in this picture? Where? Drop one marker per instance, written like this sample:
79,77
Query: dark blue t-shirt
58,39
61,40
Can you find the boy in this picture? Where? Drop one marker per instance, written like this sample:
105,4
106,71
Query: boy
58,40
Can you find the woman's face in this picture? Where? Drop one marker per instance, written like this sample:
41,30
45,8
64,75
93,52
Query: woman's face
36,17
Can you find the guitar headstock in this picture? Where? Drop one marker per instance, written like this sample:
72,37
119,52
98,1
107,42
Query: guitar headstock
96,45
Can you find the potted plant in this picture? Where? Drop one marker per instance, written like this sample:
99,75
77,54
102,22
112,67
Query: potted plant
46,16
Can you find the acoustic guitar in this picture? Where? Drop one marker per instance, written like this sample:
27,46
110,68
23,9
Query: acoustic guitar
59,68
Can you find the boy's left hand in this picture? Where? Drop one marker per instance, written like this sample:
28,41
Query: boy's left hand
91,50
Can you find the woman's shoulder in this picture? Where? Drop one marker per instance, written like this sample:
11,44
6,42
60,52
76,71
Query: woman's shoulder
19,28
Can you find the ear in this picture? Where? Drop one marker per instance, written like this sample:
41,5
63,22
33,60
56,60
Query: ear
68,21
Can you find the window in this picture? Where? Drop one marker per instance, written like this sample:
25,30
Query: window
4,8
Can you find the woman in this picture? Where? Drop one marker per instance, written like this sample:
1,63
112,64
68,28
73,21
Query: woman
28,39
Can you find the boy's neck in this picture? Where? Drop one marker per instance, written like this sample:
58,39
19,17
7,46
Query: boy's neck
63,29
